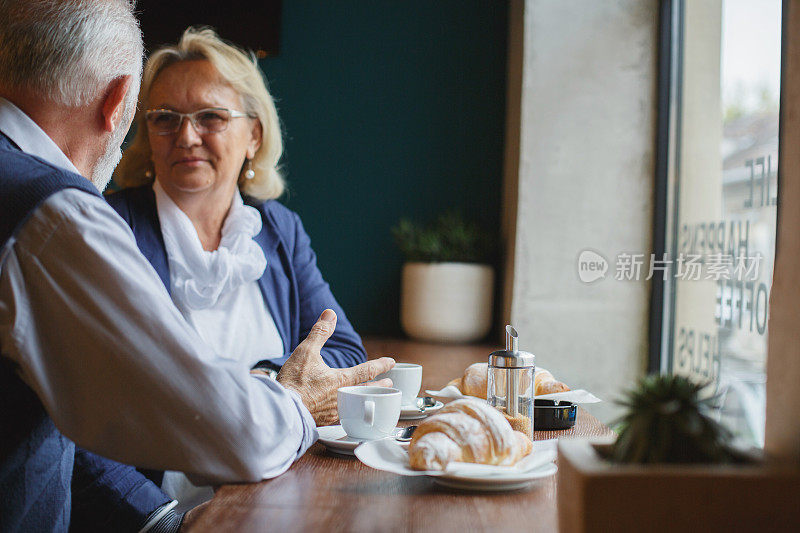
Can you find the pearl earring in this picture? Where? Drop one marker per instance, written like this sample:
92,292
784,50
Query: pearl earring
148,173
249,173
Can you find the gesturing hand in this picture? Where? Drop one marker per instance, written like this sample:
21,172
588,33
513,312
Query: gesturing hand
307,374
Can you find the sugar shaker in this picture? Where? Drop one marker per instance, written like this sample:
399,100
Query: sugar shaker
510,383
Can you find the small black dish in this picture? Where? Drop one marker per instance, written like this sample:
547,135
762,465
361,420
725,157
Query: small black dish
549,414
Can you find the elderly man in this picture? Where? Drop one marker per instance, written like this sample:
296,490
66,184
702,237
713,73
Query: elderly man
92,350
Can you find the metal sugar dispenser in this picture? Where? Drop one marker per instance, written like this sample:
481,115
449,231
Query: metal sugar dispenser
510,383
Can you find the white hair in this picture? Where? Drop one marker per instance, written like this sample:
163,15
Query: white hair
104,168
68,51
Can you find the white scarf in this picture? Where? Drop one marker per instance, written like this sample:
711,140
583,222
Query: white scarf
199,277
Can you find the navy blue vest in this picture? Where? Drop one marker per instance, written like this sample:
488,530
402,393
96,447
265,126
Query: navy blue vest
35,458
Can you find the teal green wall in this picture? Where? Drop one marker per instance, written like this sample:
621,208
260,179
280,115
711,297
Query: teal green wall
390,108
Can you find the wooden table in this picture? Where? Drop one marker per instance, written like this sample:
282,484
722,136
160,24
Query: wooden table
326,492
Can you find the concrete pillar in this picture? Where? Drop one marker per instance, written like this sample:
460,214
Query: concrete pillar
585,182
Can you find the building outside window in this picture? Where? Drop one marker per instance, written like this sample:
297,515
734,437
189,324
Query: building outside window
721,182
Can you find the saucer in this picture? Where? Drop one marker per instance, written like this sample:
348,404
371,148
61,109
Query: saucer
498,483
336,440
387,455
411,412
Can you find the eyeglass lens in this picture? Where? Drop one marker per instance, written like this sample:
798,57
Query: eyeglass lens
204,120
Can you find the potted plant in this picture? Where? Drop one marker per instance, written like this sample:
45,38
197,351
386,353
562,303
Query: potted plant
447,281
671,467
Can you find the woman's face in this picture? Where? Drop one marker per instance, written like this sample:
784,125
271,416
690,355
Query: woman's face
188,162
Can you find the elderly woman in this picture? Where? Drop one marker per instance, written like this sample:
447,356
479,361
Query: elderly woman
200,181
201,178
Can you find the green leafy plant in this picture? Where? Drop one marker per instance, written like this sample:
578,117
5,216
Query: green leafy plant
450,238
668,422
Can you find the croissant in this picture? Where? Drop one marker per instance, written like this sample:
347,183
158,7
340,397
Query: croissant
545,383
473,383
466,430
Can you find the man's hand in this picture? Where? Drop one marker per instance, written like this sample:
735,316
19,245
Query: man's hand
307,374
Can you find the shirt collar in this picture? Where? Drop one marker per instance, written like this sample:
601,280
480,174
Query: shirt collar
30,138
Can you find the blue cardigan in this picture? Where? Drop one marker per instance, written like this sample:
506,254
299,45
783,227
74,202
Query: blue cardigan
118,496
292,285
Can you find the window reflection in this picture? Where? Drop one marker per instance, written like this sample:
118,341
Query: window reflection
726,201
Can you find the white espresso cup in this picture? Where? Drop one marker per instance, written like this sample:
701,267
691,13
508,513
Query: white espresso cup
368,412
408,378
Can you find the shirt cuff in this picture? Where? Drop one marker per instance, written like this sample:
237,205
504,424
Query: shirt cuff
310,434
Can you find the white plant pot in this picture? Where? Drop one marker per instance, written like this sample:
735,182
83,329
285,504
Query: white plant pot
446,302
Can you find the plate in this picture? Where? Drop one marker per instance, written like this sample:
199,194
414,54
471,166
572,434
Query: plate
389,456
411,412
496,483
336,440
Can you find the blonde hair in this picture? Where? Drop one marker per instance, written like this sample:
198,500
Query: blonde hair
240,70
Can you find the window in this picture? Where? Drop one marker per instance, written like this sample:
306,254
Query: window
718,146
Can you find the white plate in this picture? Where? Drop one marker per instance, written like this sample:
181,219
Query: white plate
574,396
411,412
389,456
498,483
336,440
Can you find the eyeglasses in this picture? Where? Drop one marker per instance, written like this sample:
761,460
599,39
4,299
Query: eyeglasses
210,120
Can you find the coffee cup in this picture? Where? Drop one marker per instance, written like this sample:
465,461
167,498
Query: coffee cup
368,412
407,377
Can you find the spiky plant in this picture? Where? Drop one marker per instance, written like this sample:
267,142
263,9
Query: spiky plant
668,422
451,238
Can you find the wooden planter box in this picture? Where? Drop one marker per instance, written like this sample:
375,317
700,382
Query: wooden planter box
595,495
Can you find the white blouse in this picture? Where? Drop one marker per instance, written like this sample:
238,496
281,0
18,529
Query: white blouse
218,294
217,291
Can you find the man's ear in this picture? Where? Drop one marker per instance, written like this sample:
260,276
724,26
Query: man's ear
114,102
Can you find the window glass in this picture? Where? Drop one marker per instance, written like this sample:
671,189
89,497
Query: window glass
723,204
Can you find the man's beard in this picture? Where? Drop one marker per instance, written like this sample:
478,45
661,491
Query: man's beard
104,168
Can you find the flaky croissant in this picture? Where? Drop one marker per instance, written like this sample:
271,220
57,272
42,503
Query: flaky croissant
545,383
474,382
466,430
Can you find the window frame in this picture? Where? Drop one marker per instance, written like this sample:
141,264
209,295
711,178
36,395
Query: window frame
666,184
